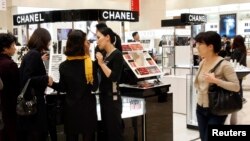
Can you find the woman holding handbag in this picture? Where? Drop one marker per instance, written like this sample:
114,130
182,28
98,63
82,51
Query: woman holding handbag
208,45
34,128
78,77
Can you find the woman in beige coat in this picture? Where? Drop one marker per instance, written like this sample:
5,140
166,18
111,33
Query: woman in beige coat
208,45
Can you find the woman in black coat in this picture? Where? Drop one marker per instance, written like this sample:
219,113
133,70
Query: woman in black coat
240,55
78,78
34,128
10,76
111,66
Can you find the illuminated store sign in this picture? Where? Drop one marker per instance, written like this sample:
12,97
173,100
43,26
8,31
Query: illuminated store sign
194,18
31,18
118,15
76,15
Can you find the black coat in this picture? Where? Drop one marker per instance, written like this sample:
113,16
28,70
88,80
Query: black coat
239,56
32,67
10,76
80,114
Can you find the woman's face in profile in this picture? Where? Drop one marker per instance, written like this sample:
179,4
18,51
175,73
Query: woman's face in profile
86,46
102,40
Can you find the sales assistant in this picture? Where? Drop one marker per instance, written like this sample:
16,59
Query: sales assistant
117,15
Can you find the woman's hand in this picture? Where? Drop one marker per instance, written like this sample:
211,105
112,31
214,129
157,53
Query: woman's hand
210,78
45,57
99,58
50,81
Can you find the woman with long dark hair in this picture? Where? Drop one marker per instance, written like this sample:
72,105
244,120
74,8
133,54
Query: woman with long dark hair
34,128
239,50
111,66
240,55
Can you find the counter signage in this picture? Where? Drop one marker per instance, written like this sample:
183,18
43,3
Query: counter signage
29,18
194,18
76,15
119,15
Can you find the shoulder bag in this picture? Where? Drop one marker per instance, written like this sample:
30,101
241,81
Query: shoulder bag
26,107
222,101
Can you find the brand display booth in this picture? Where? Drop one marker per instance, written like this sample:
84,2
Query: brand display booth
133,95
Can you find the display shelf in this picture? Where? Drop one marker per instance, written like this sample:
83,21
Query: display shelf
139,61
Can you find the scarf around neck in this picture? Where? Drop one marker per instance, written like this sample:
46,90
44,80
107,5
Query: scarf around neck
88,66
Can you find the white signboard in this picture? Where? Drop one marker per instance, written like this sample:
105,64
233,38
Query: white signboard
3,5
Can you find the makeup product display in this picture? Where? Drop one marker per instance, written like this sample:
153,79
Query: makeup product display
139,61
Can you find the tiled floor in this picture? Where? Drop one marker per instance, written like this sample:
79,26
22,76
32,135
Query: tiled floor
182,133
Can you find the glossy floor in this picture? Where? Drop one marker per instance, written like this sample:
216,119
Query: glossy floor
181,133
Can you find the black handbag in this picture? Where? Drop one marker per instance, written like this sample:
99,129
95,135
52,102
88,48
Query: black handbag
221,101
26,107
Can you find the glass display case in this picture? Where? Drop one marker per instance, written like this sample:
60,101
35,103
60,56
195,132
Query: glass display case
191,100
131,107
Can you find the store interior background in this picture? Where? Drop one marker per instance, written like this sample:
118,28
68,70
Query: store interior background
150,30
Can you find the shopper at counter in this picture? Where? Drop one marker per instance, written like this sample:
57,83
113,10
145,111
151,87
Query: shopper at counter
209,44
34,128
225,47
78,77
9,74
110,100
240,55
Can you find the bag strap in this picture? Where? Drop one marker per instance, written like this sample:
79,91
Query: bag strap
25,88
217,65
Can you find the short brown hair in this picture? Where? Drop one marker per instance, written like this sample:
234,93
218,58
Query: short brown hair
39,39
75,43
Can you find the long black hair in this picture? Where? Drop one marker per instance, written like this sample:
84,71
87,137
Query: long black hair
39,40
239,42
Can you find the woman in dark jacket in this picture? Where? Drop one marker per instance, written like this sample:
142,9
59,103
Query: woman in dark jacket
34,128
78,77
111,66
239,50
10,76
240,55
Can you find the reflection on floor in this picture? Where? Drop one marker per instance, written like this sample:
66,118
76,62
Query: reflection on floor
181,133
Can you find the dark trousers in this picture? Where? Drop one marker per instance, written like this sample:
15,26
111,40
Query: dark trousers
51,109
241,89
9,130
85,137
111,111
205,118
31,135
